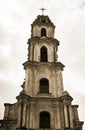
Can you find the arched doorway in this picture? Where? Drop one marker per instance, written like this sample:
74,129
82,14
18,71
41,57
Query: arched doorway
44,120
43,32
43,54
44,85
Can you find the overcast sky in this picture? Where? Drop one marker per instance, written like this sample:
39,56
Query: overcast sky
16,17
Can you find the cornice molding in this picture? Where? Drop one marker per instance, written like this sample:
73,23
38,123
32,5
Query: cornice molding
58,65
43,39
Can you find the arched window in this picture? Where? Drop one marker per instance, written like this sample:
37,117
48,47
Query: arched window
44,85
43,32
44,120
43,54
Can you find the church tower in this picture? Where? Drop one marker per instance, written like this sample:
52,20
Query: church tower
43,104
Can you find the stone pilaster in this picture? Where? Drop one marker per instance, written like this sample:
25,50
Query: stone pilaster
24,115
71,116
32,115
27,115
66,116
19,115
58,120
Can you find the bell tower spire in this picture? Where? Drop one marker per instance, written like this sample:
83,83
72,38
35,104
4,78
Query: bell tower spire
43,104
43,57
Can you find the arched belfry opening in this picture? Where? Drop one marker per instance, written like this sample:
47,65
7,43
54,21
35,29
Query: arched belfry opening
43,54
44,85
44,121
43,32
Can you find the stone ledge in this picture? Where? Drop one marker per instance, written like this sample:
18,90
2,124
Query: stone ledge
44,94
57,65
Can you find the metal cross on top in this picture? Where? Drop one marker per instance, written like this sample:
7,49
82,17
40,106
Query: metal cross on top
42,9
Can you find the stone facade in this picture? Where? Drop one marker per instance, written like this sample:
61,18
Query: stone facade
43,104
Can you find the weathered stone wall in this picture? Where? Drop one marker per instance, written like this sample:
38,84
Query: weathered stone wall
25,114
43,71
11,111
62,113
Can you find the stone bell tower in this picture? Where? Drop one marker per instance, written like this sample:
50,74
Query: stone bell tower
43,104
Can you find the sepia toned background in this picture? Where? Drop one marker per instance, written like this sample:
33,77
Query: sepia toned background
16,17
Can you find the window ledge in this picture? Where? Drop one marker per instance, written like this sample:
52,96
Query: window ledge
44,94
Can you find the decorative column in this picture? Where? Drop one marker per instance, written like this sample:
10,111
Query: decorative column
32,115
71,116
76,118
55,120
27,115
66,116
58,120
21,113
24,115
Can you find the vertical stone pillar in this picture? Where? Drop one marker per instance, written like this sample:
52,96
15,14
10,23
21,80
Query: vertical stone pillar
27,115
32,52
24,115
19,115
66,116
54,54
32,115
75,112
59,83
54,119
58,120
71,116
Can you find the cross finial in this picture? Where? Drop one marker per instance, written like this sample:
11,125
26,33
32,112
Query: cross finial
42,9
